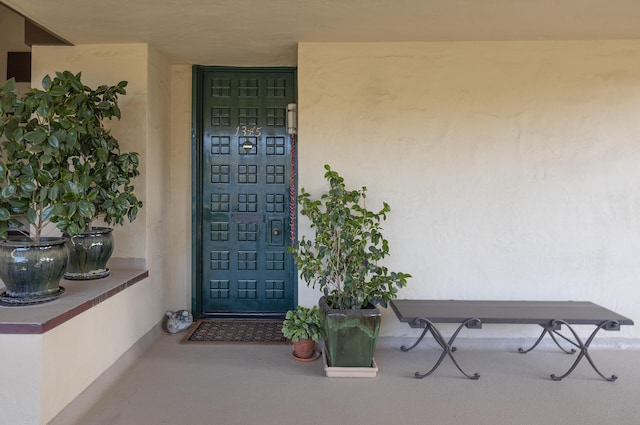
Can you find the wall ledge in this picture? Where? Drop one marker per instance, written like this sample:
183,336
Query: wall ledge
79,296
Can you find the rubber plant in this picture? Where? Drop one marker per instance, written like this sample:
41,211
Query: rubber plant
41,133
103,171
60,164
39,186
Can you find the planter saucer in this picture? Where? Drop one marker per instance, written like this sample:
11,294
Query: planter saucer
316,356
97,274
349,372
6,300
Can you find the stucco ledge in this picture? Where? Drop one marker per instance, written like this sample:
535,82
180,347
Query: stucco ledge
79,296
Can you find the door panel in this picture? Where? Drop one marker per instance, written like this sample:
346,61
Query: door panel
244,192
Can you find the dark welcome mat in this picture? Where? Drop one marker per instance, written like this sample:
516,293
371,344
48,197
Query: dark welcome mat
236,332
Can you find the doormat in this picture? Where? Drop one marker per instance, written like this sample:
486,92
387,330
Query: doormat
236,332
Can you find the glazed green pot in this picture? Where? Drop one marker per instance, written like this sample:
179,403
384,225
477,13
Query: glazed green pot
89,253
350,336
31,271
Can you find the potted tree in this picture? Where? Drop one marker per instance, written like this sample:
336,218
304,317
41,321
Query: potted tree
344,260
37,188
303,326
103,172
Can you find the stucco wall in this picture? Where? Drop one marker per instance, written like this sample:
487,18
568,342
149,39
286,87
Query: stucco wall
144,128
77,352
11,40
511,168
21,357
157,175
179,282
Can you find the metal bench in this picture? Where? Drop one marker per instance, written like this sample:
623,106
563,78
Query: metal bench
551,315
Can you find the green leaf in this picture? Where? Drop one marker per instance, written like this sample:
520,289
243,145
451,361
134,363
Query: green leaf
4,214
76,84
57,210
71,208
31,216
58,91
8,191
54,142
28,186
75,188
35,137
9,85
72,137
85,208
42,195
54,192
46,82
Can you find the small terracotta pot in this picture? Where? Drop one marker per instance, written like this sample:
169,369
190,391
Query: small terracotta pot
304,349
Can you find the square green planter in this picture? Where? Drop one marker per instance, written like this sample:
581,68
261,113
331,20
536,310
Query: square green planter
350,336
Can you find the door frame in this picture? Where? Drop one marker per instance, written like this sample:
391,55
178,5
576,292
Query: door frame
197,133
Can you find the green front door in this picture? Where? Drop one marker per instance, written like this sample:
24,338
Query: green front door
242,196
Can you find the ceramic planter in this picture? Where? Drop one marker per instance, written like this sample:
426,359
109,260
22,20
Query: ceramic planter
89,253
31,271
350,336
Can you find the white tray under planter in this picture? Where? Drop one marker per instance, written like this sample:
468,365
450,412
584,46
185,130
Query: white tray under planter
349,372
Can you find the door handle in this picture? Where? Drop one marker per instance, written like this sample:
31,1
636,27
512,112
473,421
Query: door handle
276,225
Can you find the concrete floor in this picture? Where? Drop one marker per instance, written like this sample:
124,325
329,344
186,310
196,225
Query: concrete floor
190,384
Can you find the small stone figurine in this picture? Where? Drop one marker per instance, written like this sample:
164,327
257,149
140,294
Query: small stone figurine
178,321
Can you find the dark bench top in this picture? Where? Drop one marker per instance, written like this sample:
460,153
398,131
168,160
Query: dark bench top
505,312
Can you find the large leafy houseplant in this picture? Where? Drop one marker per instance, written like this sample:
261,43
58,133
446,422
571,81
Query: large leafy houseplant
104,172
344,259
100,171
60,165
40,137
344,256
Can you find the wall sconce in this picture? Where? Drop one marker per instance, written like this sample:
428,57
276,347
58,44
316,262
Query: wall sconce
292,118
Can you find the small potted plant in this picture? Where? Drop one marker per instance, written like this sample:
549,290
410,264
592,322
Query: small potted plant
344,260
303,327
37,188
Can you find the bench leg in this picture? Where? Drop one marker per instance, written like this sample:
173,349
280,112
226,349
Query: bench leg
447,347
584,348
552,332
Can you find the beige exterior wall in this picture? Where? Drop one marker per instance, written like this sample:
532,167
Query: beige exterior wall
77,352
144,128
21,377
511,168
11,40
180,188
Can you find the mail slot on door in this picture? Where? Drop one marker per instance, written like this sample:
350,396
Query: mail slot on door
276,232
